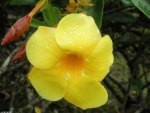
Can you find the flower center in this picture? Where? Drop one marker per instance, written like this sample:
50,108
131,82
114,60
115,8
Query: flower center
72,63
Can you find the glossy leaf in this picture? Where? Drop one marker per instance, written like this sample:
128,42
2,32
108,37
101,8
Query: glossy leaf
127,2
52,15
36,23
143,5
96,11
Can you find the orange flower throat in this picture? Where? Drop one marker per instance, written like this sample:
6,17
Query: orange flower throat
72,63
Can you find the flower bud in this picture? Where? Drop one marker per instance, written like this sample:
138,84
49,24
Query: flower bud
20,55
17,30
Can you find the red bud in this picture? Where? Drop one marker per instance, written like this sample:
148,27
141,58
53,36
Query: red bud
21,54
17,30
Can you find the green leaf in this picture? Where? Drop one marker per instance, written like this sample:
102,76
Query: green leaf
52,15
143,5
127,2
36,23
21,2
120,17
96,11
126,39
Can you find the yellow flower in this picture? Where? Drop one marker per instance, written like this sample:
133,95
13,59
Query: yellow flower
70,61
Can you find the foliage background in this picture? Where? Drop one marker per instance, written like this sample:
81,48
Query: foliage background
128,83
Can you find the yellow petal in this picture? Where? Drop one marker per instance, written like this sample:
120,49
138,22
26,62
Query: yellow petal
50,84
100,60
77,33
42,49
86,93
37,109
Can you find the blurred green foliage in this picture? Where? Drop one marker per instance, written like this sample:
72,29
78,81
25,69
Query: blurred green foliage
128,83
52,15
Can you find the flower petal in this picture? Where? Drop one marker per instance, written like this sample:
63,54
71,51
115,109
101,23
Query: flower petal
49,84
77,33
42,49
86,93
100,60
